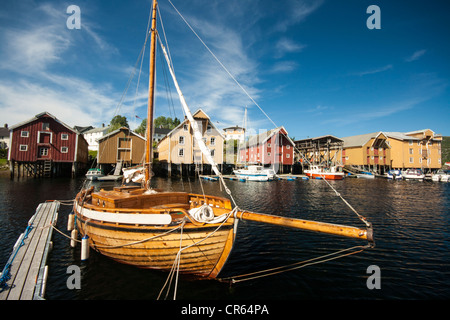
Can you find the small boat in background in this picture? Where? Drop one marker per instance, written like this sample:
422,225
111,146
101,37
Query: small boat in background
94,174
322,172
441,175
413,174
394,174
255,173
365,175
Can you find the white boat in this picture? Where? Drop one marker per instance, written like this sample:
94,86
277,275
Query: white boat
94,174
394,174
365,175
413,174
322,172
255,173
441,175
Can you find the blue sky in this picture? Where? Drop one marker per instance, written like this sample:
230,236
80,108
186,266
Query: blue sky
312,66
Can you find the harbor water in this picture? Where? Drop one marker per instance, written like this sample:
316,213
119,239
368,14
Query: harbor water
411,257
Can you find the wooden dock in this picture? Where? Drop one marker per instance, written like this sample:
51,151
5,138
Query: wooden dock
25,274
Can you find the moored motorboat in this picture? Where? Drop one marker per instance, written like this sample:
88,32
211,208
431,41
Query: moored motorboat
394,174
323,172
365,175
440,175
413,174
94,173
255,173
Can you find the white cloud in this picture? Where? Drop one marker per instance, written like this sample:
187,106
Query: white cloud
297,11
416,55
285,45
373,71
35,61
284,66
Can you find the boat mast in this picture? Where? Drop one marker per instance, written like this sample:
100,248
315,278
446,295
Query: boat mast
151,98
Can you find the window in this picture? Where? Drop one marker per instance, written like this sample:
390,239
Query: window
24,134
288,147
410,151
181,152
64,149
208,129
43,151
268,153
181,140
410,142
411,160
23,147
212,152
64,136
185,127
288,155
420,160
213,141
45,126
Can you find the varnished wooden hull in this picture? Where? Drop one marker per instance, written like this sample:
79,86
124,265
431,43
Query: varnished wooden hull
203,248
204,259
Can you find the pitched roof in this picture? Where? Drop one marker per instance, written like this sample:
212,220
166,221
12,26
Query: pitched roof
360,140
264,136
40,115
199,114
120,129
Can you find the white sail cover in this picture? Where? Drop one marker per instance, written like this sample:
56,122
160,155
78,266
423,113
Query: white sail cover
134,174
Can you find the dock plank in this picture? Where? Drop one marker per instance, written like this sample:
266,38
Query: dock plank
28,260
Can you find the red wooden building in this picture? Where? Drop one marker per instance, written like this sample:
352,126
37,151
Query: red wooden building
45,146
273,147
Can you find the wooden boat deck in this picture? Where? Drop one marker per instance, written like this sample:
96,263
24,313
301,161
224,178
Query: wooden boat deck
27,264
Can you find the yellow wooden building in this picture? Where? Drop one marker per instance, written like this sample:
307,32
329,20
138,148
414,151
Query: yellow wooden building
179,146
381,151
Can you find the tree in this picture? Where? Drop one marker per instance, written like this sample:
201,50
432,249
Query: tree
160,122
118,122
142,127
168,123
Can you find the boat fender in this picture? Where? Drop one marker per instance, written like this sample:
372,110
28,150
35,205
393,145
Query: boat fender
70,222
73,237
85,248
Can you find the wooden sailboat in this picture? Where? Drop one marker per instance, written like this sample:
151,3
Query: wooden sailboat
154,229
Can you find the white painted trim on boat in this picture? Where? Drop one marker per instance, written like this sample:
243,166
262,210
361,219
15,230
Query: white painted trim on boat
126,218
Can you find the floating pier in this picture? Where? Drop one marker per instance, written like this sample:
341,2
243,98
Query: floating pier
25,274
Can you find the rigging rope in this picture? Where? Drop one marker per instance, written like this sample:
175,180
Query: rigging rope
176,263
294,266
253,100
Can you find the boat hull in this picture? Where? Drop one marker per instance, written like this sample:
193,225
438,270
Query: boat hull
254,177
150,241
325,175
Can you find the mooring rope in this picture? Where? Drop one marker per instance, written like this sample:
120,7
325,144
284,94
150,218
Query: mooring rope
176,264
293,266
